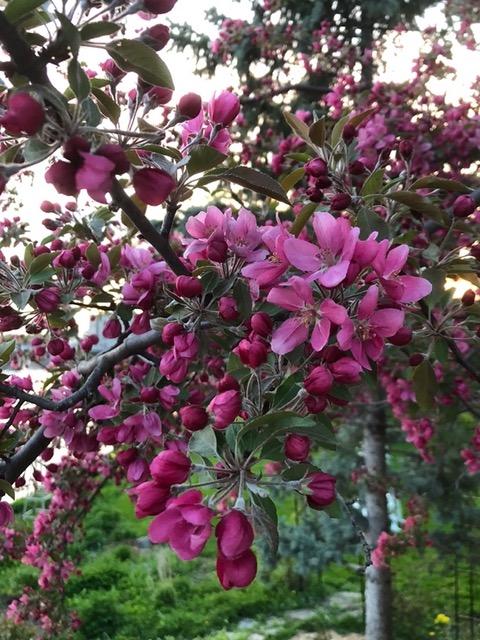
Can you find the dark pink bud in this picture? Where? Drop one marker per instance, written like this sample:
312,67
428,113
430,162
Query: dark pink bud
158,95
170,467
24,115
217,249
464,206
346,371
322,489
40,250
228,383
315,405
66,259
253,354
62,175
316,168
188,287
356,168
234,534
468,298
153,186
261,324
55,346
236,572
227,308
6,514
47,207
193,417
111,69
88,272
171,330
159,6
151,498
405,149
225,406
349,132
297,447
340,201
314,194
416,359
319,381
86,345
149,395
115,154
402,337
48,300
189,105
223,109
156,37
112,329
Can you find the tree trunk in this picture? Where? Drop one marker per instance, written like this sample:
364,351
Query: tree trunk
378,582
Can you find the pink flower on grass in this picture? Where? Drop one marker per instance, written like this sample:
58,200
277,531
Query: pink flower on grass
329,261
296,295
185,525
365,337
387,264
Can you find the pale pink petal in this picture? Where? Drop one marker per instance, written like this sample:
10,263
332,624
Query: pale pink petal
333,311
334,275
386,322
288,336
103,412
320,334
369,303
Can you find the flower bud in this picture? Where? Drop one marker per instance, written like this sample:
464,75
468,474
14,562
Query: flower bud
314,194
356,168
228,383
156,37
24,115
189,105
319,381
170,467
416,359
10,320
468,298
261,324
153,186
316,168
464,206
56,346
349,132
322,489
297,447
227,309
225,407
402,337
171,330
253,354
217,249
340,201
405,149
224,108
112,329
188,287
48,300
159,6
193,417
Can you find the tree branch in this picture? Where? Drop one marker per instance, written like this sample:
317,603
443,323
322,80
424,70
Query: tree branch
148,231
13,468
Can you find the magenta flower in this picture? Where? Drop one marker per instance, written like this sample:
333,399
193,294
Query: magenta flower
296,295
151,498
236,572
170,467
224,108
24,115
329,261
153,186
185,525
366,336
297,447
225,407
204,227
6,514
234,534
244,236
387,264
113,397
322,489
268,271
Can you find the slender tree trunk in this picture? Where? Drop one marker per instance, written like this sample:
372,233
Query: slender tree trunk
378,582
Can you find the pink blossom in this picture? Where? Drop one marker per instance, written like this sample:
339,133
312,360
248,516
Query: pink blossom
153,186
234,534
322,489
329,261
6,514
366,336
225,407
236,572
114,398
185,525
244,237
268,271
24,115
223,108
151,498
297,447
170,467
387,264
296,295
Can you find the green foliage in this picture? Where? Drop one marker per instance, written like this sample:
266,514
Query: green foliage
10,630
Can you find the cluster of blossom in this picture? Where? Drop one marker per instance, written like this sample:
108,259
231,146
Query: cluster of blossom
471,455
72,484
412,534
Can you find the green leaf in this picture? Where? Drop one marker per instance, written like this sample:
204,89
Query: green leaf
40,262
203,442
288,389
78,81
133,55
338,130
42,276
108,107
91,113
302,218
7,488
204,158
317,132
418,203
35,150
241,294
28,255
93,255
424,385
279,421
333,510
436,277
368,220
373,183
292,178
98,29
6,350
360,117
265,520
71,35
20,299
432,182
257,182
16,9
297,126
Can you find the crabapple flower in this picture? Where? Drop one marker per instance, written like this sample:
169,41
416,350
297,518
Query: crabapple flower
185,525
366,336
24,115
329,261
170,467
113,397
296,295
322,489
225,407
153,186
387,264
224,108
6,514
234,534
244,236
236,572
297,447
268,271
193,417
151,498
